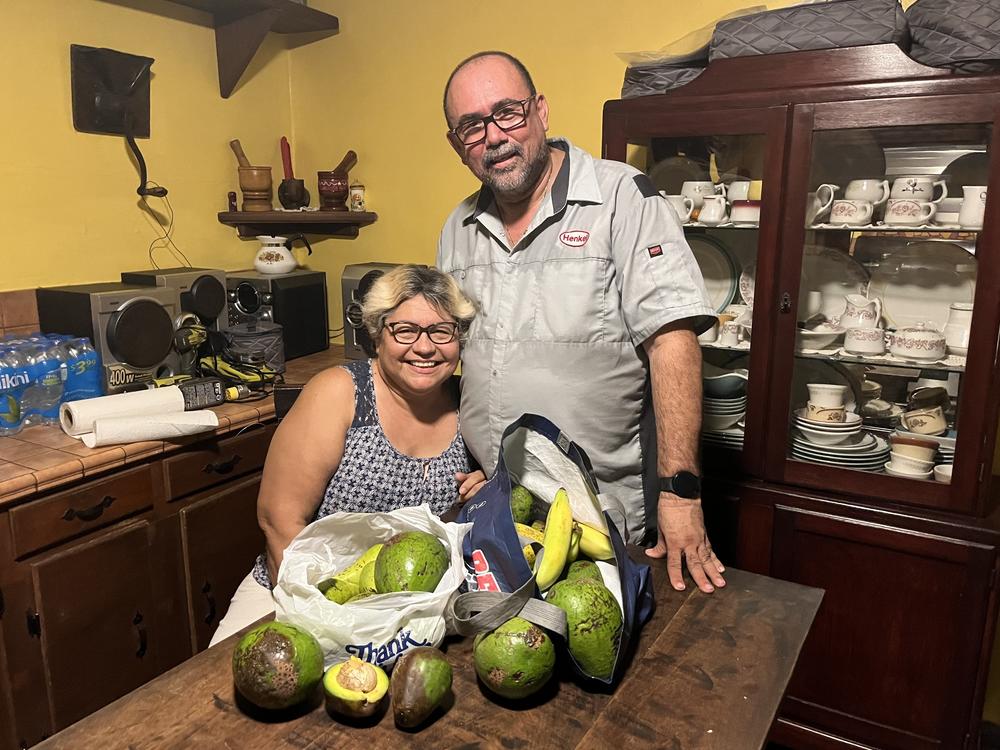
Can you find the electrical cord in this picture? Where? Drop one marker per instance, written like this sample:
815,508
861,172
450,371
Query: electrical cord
165,238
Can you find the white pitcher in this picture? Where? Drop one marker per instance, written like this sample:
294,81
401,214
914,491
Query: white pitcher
861,312
956,330
713,210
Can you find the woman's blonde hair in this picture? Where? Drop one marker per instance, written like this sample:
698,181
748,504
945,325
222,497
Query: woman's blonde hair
400,284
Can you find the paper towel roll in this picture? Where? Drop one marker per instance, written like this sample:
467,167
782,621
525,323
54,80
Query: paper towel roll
114,430
78,417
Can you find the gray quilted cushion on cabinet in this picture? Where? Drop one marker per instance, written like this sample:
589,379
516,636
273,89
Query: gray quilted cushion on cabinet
960,34
841,23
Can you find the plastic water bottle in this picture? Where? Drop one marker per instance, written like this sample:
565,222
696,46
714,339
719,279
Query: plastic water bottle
83,370
14,378
40,400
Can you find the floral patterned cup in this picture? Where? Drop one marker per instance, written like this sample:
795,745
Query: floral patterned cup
908,212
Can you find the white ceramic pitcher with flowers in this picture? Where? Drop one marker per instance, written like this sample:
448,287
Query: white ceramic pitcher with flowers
861,312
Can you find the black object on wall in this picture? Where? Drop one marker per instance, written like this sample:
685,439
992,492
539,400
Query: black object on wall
108,86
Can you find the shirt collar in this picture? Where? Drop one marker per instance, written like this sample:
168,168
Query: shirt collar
575,183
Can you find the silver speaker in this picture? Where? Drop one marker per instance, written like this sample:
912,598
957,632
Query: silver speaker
355,283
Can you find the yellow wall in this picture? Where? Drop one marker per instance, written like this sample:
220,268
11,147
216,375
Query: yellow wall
69,208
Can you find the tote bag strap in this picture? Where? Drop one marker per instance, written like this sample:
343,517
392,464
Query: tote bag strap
477,611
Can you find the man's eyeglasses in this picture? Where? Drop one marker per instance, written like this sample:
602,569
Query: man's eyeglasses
506,117
405,332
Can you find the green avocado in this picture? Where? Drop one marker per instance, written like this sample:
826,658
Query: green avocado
355,688
410,561
521,504
583,569
277,665
593,623
420,681
366,583
515,660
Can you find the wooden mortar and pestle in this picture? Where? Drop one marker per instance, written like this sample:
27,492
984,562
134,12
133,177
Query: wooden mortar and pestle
334,186
255,182
292,193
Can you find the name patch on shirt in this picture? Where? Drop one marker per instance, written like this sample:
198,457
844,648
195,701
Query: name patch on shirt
655,251
574,238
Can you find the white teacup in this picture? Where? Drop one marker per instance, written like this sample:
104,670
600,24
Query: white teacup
909,464
827,395
925,421
696,190
682,206
729,334
875,192
819,202
908,212
918,188
855,212
864,341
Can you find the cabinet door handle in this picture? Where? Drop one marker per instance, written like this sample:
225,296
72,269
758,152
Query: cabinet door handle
223,467
140,630
91,513
785,304
210,601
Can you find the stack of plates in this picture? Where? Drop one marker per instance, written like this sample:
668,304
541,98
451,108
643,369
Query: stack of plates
730,438
861,451
947,455
827,433
722,413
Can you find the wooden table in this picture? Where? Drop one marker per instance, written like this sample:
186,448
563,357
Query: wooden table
709,672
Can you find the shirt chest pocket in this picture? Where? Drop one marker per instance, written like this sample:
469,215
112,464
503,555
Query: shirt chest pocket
570,300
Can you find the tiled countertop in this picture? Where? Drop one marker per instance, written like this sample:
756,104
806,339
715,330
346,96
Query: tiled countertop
39,459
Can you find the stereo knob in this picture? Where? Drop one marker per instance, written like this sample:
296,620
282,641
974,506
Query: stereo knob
232,295
266,299
265,315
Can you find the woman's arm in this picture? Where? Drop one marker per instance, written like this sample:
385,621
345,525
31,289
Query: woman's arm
305,452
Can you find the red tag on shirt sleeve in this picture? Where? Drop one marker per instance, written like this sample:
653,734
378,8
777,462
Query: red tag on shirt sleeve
654,251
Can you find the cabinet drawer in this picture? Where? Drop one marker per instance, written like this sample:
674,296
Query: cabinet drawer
215,462
90,506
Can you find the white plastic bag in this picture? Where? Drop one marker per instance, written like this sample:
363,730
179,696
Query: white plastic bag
381,627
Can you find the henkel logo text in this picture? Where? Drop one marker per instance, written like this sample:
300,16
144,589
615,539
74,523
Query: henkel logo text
574,238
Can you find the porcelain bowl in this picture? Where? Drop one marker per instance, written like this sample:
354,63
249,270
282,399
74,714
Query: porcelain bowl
713,422
942,473
819,338
826,437
894,472
909,463
725,384
922,450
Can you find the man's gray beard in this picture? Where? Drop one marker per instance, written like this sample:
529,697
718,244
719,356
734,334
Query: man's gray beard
517,184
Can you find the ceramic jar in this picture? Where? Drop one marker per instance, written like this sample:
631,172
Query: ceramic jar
861,312
956,330
918,342
713,210
274,256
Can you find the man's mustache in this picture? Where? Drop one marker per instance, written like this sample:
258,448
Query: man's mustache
497,156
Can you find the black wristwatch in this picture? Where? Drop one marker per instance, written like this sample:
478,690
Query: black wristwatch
683,484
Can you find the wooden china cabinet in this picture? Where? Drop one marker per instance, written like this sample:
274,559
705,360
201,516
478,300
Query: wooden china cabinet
899,654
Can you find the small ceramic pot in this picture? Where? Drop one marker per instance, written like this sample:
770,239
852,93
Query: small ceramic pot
957,329
745,211
925,421
913,447
827,395
333,190
864,341
918,342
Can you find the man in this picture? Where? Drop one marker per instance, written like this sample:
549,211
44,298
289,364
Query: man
585,284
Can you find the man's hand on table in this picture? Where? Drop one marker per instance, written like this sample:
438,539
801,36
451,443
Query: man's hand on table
682,533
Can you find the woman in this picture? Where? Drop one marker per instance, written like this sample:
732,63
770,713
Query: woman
372,435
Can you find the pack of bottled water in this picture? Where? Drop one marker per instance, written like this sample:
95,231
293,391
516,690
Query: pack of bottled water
39,372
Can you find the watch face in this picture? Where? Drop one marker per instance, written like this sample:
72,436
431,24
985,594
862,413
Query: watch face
687,485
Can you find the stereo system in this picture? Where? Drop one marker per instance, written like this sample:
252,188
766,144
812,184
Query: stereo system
355,283
296,300
132,327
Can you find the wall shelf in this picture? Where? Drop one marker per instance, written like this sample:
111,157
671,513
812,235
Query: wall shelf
241,25
334,223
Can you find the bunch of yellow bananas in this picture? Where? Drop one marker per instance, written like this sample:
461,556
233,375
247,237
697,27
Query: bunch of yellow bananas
562,540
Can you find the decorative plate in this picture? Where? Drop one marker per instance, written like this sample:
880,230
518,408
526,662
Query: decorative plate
717,267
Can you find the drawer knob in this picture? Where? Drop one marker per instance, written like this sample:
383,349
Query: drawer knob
91,513
223,467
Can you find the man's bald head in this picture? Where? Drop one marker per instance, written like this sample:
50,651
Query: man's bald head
515,63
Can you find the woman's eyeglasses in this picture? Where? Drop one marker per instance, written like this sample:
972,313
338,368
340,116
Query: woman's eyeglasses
506,117
405,332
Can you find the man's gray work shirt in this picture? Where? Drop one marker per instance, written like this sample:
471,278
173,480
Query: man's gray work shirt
562,315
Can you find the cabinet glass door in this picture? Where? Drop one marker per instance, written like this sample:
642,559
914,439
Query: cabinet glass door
722,176
884,222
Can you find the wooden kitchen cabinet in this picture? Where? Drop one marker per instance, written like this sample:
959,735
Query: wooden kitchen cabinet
899,652
98,621
111,582
216,563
